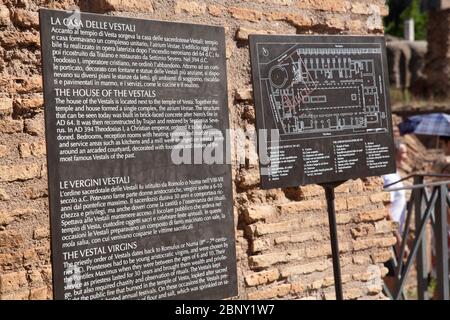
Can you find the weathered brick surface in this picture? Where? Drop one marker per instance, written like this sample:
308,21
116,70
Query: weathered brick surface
300,237
34,126
273,292
340,204
25,19
357,202
245,14
268,259
117,5
13,281
361,260
362,230
263,277
11,39
259,213
23,294
3,150
10,126
310,191
373,215
20,172
384,226
216,10
4,15
4,196
438,54
5,218
279,227
381,256
305,268
380,197
194,8
39,293
5,106
284,252
373,242
242,34
248,179
324,5
259,245
302,206
41,233
296,20
29,104
353,293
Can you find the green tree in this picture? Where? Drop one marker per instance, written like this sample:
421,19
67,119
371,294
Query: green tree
399,12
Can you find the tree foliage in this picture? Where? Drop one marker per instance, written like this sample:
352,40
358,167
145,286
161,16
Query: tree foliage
401,10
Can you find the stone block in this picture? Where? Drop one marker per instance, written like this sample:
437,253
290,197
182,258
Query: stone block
11,126
194,8
276,291
263,277
41,233
6,106
299,207
308,268
259,213
9,173
13,281
100,6
216,10
39,293
245,14
25,18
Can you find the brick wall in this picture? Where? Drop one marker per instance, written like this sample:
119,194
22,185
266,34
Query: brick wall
438,55
282,235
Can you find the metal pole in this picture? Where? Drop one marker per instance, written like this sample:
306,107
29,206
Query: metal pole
441,235
421,258
329,192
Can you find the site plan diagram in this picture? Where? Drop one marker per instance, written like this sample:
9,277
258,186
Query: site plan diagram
325,88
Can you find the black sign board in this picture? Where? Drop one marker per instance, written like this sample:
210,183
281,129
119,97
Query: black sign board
322,107
138,211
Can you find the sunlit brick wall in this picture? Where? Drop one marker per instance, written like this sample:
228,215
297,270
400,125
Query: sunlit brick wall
282,235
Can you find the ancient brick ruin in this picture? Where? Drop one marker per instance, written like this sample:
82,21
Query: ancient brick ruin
283,248
438,55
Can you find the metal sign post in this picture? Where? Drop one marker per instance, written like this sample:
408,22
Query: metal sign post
329,194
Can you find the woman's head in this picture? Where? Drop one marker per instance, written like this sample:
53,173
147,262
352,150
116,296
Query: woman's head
401,152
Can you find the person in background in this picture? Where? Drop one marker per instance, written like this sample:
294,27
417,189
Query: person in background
398,198
397,210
